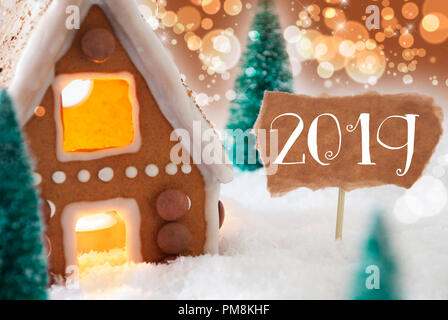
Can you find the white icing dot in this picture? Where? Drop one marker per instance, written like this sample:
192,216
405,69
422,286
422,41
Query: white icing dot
59,177
131,172
37,179
186,168
171,169
52,208
83,175
152,170
106,174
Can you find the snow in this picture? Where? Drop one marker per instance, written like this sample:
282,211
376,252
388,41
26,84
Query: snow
284,248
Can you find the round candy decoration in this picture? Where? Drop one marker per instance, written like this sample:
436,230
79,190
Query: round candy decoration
222,213
173,238
172,204
98,45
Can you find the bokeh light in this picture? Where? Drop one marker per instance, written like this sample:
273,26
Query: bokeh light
434,25
434,28
220,50
431,22
189,17
169,18
366,66
410,10
334,18
193,42
325,70
292,34
347,48
324,33
233,7
406,40
388,13
211,6
350,46
149,9
207,24
353,31
426,198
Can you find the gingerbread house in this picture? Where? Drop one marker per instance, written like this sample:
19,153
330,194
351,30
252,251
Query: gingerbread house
99,106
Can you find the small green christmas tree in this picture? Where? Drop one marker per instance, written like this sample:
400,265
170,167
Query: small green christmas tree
376,278
23,271
265,67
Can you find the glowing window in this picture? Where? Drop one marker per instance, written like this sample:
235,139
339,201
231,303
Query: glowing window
101,239
96,114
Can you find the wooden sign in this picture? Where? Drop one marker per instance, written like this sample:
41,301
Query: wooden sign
346,142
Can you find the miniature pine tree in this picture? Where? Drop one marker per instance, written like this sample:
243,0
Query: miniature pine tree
377,277
23,271
265,67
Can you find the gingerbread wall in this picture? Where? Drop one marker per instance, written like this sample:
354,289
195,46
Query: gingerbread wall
155,149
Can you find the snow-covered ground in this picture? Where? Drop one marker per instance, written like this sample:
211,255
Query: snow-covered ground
284,248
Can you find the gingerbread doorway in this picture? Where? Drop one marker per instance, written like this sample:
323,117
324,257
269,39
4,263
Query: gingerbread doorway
101,233
101,240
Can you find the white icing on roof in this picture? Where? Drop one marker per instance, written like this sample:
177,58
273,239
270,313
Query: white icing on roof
17,21
51,39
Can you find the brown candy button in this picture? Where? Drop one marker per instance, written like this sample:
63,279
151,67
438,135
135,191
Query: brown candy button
46,211
98,45
173,238
172,204
222,213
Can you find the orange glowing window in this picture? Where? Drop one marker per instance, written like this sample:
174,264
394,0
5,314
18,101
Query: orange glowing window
101,239
97,114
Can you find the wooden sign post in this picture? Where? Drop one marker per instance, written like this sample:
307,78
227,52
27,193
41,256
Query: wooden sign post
345,142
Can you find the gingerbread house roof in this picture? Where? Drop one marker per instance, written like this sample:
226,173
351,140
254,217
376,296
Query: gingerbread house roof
51,39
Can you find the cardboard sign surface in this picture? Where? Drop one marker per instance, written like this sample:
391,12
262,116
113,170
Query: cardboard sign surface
347,142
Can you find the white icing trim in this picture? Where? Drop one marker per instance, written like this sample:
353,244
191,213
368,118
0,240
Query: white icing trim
152,170
52,208
106,174
35,69
60,83
37,179
171,169
84,176
131,172
189,202
59,177
127,209
186,168
212,191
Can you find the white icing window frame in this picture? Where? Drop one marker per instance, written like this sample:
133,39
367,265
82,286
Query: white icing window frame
60,82
127,209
